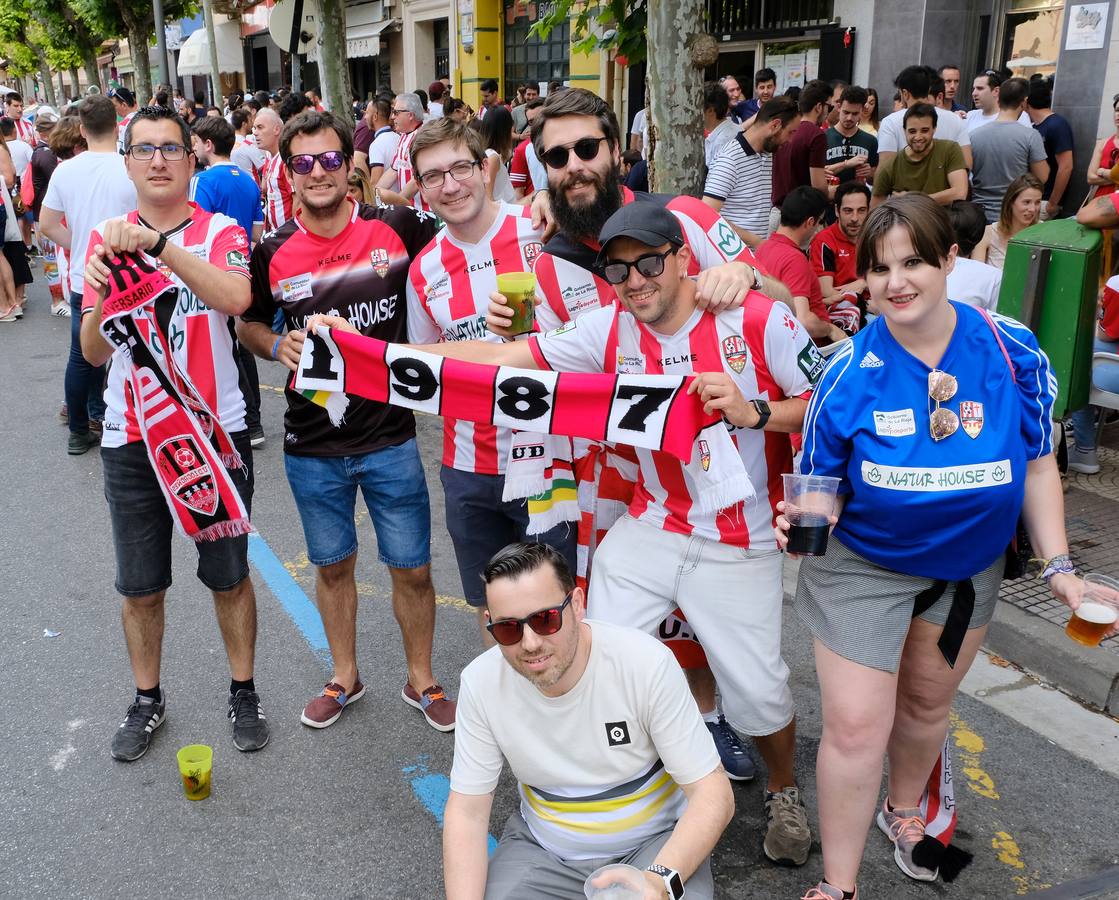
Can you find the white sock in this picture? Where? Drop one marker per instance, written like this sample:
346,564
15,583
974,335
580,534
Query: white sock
711,717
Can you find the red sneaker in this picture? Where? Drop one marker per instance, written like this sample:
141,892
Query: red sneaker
438,709
327,707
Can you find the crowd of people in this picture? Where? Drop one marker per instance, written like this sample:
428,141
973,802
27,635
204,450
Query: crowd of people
827,305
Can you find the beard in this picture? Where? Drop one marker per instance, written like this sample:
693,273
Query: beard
587,221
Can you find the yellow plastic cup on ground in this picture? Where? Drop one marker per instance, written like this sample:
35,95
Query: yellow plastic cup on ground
519,288
196,762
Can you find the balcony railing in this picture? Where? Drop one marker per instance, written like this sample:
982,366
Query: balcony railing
741,16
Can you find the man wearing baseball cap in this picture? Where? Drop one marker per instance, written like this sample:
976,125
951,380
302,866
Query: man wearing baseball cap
124,102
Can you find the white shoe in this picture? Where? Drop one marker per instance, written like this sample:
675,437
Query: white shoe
61,309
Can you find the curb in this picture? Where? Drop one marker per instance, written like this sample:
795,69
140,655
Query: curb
1090,675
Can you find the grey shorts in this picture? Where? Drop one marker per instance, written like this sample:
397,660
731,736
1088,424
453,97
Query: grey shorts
862,611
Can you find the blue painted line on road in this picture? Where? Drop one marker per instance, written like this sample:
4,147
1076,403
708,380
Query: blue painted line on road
432,790
295,602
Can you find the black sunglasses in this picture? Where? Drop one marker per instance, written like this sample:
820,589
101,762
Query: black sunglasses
649,264
543,622
585,148
330,160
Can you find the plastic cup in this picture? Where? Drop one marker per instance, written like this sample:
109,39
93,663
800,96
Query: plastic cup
196,763
519,289
616,882
809,503
1098,611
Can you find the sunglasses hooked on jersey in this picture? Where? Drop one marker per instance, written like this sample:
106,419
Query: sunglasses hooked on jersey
585,148
942,388
303,163
649,264
543,622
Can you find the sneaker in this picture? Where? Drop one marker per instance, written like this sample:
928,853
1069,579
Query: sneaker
905,828
438,709
80,442
134,735
1083,461
324,710
736,758
824,891
17,311
787,836
96,426
250,730
10,316
256,437
61,309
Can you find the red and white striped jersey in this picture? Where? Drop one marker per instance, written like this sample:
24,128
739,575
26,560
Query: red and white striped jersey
449,286
761,346
122,126
201,338
277,193
402,165
569,287
25,131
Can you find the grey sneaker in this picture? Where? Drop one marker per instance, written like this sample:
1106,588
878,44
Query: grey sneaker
906,828
134,735
787,836
250,730
1083,461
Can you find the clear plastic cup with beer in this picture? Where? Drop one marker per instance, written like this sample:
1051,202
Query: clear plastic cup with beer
1097,613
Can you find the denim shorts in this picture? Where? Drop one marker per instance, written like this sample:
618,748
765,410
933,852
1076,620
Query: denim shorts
143,528
481,523
391,481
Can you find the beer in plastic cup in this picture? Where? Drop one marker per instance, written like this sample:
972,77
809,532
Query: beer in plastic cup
519,289
196,763
1097,613
616,882
809,503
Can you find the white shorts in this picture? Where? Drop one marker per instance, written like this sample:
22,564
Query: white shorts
732,598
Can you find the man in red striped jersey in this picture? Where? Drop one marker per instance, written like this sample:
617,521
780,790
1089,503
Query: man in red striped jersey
350,260
449,284
275,184
206,256
13,109
398,181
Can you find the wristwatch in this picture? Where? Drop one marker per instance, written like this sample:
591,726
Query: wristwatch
159,247
673,883
757,286
763,414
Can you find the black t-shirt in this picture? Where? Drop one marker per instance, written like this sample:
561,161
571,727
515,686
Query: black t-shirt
43,164
841,148
359,275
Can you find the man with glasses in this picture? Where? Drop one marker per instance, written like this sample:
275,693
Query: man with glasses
205,256
275,184
595,721
85,190
449,285
398,185
350,260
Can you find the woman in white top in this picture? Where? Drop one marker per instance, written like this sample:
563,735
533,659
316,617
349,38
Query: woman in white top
497,135
1021,207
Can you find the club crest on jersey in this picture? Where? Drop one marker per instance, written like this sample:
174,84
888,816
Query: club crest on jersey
380,260
971,418
531,251
704,455
182,467
237,258
734,352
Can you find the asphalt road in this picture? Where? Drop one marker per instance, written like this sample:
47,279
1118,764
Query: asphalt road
351,811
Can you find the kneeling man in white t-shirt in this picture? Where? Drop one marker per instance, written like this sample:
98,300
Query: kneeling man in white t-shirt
612,759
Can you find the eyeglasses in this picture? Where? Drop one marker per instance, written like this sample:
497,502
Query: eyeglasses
650,265
543,622
435,179
942,388
400,112
585,148
330,160
145,152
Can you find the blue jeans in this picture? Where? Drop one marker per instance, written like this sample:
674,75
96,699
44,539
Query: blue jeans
84,383
1105,378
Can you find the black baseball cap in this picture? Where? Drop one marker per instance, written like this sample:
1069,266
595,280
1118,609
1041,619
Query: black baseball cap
123,94
645,221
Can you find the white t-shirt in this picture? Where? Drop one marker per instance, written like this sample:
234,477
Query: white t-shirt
87,189
975,283
641,127
383,149
21,156
949,127
502,186
434,109
598,768
976,118
719,137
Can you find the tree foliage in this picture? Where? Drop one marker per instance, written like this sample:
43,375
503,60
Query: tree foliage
616,26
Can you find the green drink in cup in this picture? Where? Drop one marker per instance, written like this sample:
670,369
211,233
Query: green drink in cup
519,289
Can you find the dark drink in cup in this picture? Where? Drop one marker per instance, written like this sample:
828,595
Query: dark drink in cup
809,534
809,505
519,290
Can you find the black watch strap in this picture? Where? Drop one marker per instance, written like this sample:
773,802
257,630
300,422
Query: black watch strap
159,245
763,414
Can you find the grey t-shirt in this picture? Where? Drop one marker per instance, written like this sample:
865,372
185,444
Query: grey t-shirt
1000,153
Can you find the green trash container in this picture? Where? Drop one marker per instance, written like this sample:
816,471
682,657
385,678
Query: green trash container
1050,282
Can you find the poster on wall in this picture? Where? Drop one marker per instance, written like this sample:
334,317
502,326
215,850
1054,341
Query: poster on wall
794,68
1087,27
777,63
811,64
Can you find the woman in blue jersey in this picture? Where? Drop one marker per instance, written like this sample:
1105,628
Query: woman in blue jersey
937,420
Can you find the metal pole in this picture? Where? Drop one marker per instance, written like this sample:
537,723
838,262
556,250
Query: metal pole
215,71
160,44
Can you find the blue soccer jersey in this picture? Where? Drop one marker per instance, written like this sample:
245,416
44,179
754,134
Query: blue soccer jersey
939,509
225,188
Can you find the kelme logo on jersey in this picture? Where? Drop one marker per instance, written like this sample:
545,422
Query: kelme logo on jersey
380,260
734,352
811,363
617,734
971,418
532,250
237,258
704,455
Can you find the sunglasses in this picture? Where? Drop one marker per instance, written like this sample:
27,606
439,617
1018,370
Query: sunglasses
585,148
649,264
543,622
145,152
942,388
330,160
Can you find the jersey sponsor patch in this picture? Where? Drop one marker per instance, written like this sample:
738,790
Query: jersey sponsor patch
936,479
870,361
811,363
298,287
735,353
567,326
237,258
725,238
898,423
630,365
971,418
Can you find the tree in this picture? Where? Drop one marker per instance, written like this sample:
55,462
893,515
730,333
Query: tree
671,37
333,67
68,38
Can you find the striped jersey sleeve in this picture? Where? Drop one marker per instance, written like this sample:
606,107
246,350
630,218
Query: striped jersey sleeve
827,449
1037,385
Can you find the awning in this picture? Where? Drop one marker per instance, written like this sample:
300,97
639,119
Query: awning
194,55
365,40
